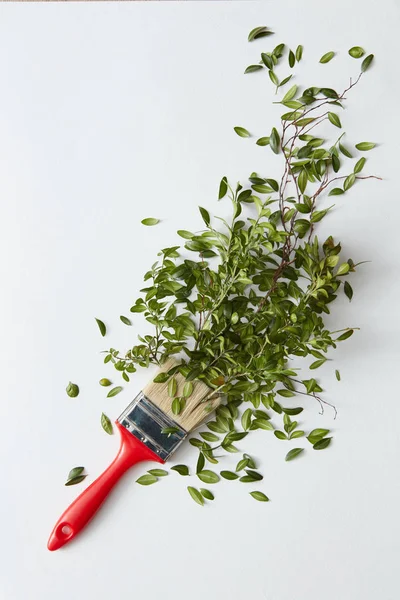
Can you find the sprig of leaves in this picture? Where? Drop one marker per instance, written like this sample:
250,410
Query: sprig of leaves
245,296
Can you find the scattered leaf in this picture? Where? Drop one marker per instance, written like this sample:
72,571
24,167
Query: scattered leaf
72,390
125,320
147,479
259,496
242,132
356,52
150,221
114,391
326,57
181,469
293,453
196,495
102,327
365,146
106,424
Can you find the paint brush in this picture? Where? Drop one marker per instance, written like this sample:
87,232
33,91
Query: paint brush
149,431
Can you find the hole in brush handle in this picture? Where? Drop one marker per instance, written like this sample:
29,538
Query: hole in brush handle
65,531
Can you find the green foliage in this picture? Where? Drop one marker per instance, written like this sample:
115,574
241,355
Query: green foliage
106,424
245,296
72,390
75,476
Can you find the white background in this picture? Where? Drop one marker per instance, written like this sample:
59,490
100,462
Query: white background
110,113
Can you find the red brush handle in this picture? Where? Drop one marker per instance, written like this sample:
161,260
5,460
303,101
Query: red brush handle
84,507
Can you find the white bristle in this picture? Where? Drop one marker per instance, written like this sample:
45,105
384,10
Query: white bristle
198,406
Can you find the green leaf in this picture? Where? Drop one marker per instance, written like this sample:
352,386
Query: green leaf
299,53
158,472
205,215
246,418
150,221
196,495
365,146
267,60
290,94
176,406
336,192
322,444
273,77
253,68
259,32
105,382
317,434
274,141
207,494
264,141
359,165
106,424
169,430
317,363
251,476
291,59
337,374
293,453
208,476
285,81
125,320
293,411
356,52
138,308
345,335
181,469
75,472
286,393
262,424
348,290
75,480
187,389
302,180
280,435
327,57
334,119
102,327
161,378
259,496
186,235
114,391
223,188
296,434
349,182
147,479
242,132
278,51
345,151
366,62
318,215
72,390
209,437
172,387
343,269
200,463
229,475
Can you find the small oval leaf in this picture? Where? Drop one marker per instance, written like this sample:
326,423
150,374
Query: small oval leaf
106,424
102,327
150,221
259,496
114,391
326,57
293,453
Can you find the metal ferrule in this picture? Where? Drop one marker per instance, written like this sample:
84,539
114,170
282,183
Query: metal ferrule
146,421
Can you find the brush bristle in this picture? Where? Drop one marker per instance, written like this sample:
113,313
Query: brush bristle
198,406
